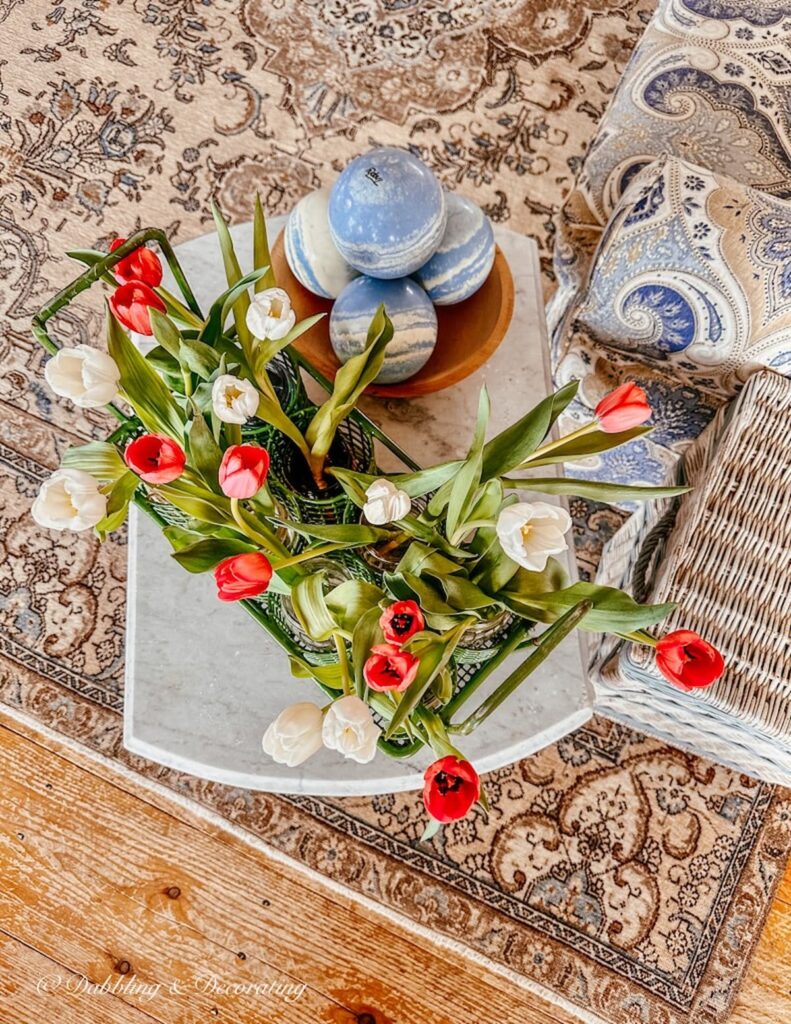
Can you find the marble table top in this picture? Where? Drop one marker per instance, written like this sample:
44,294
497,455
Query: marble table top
203,680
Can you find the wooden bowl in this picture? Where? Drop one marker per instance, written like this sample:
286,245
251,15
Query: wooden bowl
467,333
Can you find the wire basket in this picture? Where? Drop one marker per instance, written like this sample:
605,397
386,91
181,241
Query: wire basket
290,477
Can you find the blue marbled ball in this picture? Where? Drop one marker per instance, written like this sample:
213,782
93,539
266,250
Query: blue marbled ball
465,255
387,213
414,324
310,250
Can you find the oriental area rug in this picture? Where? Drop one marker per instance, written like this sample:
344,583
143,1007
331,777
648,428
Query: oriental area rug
616,874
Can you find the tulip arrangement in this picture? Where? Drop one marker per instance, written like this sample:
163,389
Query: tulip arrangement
401,602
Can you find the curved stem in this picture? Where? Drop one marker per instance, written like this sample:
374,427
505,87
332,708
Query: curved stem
305,556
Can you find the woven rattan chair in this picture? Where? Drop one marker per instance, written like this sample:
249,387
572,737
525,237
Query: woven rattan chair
723,552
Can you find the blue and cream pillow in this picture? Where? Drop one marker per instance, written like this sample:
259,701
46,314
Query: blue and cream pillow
689,293
708,83
693,274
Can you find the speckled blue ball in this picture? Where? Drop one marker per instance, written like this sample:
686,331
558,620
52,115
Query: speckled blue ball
387,213
465,255
414,324
310,251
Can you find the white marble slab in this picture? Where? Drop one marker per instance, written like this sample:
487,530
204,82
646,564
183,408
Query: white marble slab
203,680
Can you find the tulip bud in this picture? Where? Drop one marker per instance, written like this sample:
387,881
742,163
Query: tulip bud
140,265
69,500
529,532
349,728
389,668
243,576
243,470
155,458
386,503
85,375
295,735
131,302
687,660
625,407
451,788
400,621
270,315
233,399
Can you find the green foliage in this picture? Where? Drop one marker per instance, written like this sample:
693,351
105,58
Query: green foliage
612,611
515,444
593,488
120,494
142,386
350,382
100,459
434,653
204,555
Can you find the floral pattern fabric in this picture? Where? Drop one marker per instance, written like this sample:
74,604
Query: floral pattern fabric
689,293
708,83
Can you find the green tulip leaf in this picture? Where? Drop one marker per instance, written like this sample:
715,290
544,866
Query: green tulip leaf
348,602
434,656
166,333
367,633
414,484
310,606
594,489
588,444
465,483
100,459
142,386
613,610
261,255
118,503
350,382
516,443
205,454
206,554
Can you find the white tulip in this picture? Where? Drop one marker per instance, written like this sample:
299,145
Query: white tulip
349,728
85,375
530,532
295,735
234,400
270,315
386,503
69,500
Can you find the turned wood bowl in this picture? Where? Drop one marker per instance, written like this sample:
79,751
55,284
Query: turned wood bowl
467,333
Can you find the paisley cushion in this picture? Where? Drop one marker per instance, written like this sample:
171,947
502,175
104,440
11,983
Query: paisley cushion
689,293
708,82
682,406
693,273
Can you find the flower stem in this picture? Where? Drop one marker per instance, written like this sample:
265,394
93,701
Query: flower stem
305,556
343,661
557,632
639,636
255,533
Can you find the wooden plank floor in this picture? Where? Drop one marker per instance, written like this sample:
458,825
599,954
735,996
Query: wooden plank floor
104,882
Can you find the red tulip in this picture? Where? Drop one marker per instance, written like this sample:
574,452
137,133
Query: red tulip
451,788
131,301
389,668
243,470
243,576
401,621
623,408
155,458
140,265
687,660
